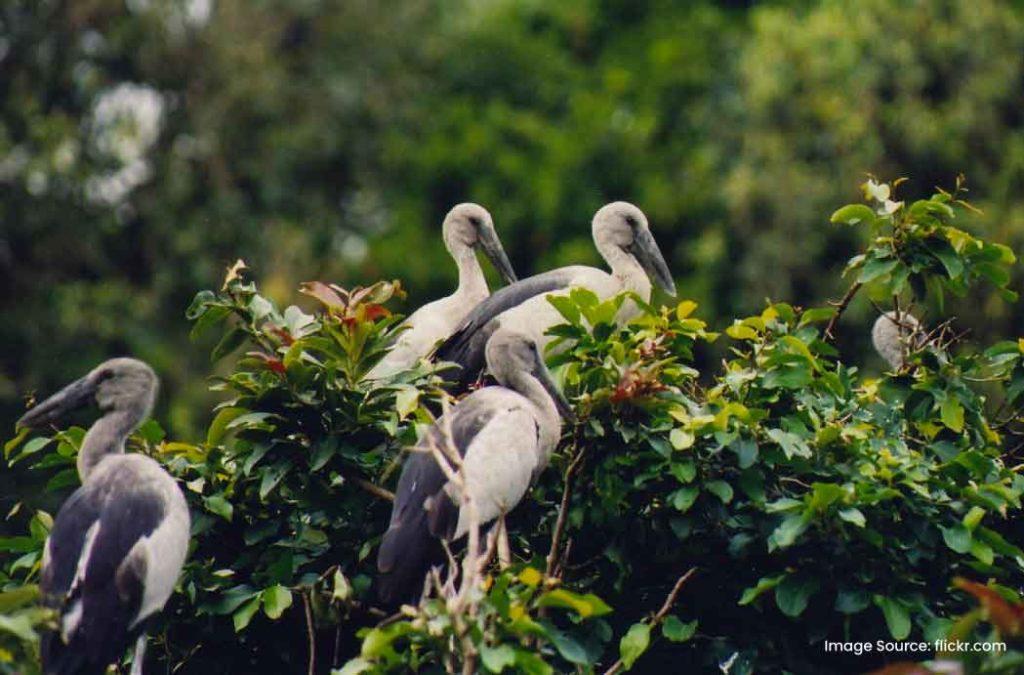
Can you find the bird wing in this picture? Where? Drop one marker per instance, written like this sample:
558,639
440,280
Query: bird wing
93,572
408,548
467,344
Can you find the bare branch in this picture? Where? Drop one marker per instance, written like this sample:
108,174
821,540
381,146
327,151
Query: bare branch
660,615
310,633
563,510
840,306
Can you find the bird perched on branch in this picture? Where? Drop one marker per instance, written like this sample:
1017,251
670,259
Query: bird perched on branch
466,228
894,335
120,540
500,440
622,237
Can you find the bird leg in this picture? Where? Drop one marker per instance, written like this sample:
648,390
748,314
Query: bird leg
504,549
139,656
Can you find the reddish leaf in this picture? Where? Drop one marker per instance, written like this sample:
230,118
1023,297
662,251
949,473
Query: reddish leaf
269,361
324,293
281,333
375,311
1006,617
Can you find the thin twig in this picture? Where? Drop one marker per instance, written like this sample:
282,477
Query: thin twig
563,510
310,634
374,489
840,308
660,615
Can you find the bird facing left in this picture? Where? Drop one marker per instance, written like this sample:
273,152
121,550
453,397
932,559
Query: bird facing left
120,540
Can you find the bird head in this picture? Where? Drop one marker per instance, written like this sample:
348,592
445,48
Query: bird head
121,384
623,225
511,354
470,225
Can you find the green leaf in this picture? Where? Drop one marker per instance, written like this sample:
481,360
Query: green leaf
276,600
219,505
683,498
243,616
876,267
219,425
720,489
497,659
675,630
853,516
973,517
851,601
764,584
634,643
852,214
585,605
953,413
681,439
684,472
791,527
231,341
897,617
793,594
958,538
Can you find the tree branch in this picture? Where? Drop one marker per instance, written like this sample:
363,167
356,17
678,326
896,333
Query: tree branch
840,306
660,615
563,510
374,489
310,634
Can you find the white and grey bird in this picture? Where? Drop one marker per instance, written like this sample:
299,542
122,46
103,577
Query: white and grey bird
505,435
467,227
894,335
120,540
622,237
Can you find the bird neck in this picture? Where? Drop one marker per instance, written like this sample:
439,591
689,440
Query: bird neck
472,282
105,437
626,269
550,422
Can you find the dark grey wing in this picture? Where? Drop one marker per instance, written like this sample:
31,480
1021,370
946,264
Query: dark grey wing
467,344
409,549
88,579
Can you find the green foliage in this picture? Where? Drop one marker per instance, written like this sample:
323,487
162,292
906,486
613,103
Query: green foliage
514,629
20,622
815,503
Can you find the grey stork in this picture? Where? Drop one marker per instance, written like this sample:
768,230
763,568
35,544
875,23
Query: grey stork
622,237
466,228
894,334
505,435
119,541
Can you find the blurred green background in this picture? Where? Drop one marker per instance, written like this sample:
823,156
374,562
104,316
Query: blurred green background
146,144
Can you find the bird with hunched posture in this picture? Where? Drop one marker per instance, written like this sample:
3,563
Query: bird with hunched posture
622,237
119,542
466,228
505,436
893,335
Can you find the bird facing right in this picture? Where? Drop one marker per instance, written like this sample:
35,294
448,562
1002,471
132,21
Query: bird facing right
504,434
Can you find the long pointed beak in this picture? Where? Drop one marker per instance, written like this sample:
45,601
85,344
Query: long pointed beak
71,397
487,239
543,376
650,258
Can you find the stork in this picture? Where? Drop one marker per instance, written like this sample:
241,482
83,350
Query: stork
466,228
119,541
505,435
622,237
893,334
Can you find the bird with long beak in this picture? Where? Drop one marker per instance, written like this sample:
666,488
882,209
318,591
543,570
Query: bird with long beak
505,436
467,228
622,237
120,540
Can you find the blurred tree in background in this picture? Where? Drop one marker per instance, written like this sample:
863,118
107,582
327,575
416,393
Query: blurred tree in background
144,145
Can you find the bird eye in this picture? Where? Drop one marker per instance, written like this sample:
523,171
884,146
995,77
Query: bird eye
475,221
632,221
